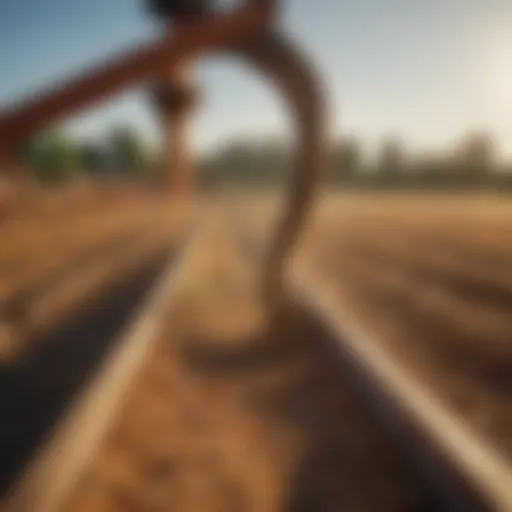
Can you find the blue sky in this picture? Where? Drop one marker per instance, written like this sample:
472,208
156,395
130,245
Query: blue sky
427,71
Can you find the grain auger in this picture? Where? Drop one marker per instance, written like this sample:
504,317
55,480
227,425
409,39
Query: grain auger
280,61
193,28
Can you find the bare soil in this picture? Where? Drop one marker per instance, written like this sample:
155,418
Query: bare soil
432,278
63,249
234,412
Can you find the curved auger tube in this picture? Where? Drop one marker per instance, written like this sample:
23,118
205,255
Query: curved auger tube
300,86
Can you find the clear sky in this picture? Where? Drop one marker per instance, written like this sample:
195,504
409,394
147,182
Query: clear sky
427,71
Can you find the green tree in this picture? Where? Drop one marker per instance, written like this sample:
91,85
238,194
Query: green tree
391,158
127,151
95,159
346,159
477,154
274,160
53,158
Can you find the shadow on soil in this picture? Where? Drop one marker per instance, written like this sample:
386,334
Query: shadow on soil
37,390
347,463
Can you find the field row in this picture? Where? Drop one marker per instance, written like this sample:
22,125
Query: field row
232,413
51,265
438,295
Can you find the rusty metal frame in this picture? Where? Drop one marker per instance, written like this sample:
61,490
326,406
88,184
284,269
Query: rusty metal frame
187,41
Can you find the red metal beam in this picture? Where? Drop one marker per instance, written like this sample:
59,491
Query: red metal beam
31,115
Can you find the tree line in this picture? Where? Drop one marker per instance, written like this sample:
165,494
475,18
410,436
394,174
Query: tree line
122,154
54,158
473,162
